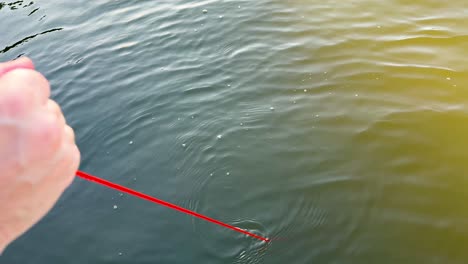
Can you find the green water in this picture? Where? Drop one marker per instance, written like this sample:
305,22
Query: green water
337,127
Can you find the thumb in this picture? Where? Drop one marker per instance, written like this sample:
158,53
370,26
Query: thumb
21,63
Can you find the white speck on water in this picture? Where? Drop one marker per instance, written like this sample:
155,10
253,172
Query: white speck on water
239,7
220,16
115,207
219,136
120,194
448,78
379,26
272,108
294,102
205,11
241,124
356,95
178,118
317,115
454,85
134,179
130,143
152,118
325,72
305,90
120,254
228,173
229,85
193,117
196,30
211,174
184,145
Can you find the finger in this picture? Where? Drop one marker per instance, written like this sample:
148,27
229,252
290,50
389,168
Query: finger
21,63
25,86
69,134
65,169
54,108
43,136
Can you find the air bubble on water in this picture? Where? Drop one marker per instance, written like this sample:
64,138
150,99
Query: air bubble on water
219,136
184,145
239,7
229,85
241,124
120,194
220,16
211,174
272,108
134,179
196,30
178,118
205,11
379,26
448,78
317,115
228,173
115,207
120,254
305,90
130,143
356,95
294,102
193,117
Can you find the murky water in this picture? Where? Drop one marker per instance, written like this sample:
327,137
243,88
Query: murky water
337,127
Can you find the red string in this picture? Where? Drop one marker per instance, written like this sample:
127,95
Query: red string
161,202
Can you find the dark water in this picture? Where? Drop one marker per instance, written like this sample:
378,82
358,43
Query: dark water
338,127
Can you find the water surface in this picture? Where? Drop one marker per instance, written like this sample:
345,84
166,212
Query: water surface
337,127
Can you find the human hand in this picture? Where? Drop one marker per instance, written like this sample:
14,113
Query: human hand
38,154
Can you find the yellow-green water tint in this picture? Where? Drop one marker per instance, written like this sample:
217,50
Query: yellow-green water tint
337,127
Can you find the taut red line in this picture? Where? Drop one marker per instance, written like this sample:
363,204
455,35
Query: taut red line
121,188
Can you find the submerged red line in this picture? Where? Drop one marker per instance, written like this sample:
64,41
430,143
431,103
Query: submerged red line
121,188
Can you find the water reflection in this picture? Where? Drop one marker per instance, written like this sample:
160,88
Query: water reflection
30,9
17,4
26,39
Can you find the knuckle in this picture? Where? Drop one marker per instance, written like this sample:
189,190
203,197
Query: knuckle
30,80
70,134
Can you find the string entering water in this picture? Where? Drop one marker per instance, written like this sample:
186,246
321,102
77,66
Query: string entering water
124,189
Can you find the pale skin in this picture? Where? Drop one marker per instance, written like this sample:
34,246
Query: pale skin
38,154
